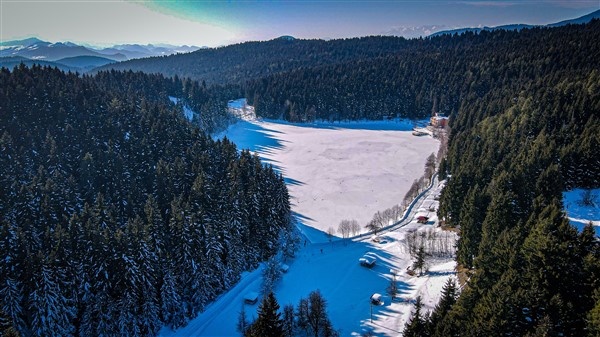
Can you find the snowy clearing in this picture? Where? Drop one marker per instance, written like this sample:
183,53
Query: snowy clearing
333,268
187,112
336,171
580,214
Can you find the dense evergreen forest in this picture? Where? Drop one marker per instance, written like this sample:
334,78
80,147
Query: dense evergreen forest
532,132
117,215
440,74
237,63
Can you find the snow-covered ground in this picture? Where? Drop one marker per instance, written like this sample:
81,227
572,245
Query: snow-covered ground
334,172
337,171
580,214
333,269
187,112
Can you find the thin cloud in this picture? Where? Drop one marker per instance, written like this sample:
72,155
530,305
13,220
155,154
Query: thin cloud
489,3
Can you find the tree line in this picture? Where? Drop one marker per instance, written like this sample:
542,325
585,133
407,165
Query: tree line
512,152
118,216
438,74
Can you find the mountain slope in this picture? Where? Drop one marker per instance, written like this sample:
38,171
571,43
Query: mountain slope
85,62
34,48
121,200
580,20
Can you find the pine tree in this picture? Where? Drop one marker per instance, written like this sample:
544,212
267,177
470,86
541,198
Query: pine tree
447,300
419,263
416,326
593,317
51,311
318,322
269,322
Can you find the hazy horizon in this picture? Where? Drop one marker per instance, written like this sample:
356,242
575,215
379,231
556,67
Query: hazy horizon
103,23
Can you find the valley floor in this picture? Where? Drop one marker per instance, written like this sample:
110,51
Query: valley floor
336,172
333,269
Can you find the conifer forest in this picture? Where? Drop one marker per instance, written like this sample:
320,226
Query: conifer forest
119,216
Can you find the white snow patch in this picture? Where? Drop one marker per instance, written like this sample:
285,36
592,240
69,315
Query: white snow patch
241,109
579,214
187,112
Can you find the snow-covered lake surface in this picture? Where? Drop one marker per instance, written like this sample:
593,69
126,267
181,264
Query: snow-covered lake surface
580,214
335,172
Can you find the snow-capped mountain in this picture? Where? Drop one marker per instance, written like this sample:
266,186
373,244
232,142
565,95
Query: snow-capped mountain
415,32
580,20
36,49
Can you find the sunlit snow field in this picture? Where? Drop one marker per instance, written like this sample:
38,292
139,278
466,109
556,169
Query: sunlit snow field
337,171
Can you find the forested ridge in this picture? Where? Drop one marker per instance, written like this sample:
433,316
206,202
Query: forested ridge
514,148
440,74
380,76
235,64
117,215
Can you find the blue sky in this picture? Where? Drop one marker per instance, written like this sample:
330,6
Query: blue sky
220,22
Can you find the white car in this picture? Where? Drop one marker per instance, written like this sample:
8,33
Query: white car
367,261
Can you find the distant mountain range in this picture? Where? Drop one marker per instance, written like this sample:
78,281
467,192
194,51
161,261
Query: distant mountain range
580,20
415,32
74,57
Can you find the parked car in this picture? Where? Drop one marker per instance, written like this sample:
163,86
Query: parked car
367,261
251,298
376,299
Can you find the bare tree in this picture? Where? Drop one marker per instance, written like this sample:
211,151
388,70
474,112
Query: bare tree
289,324
377,223
413,191
397,212
380,218
242,324
344,228
430,162
330,232
393,287
354,227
